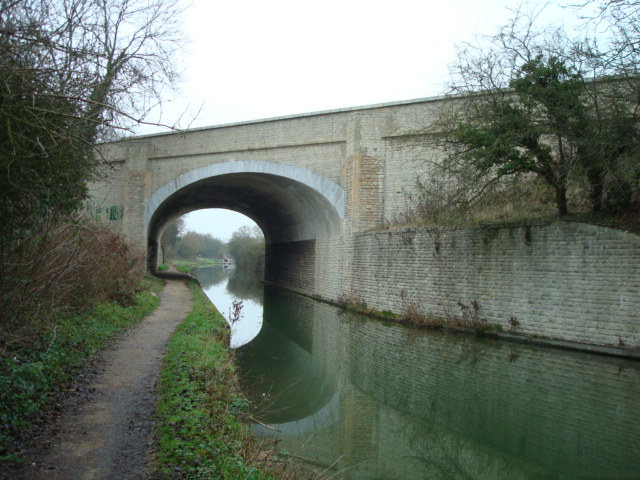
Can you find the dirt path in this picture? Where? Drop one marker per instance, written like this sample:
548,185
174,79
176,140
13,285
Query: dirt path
107,435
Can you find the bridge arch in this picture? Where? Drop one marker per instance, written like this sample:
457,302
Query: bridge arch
291,204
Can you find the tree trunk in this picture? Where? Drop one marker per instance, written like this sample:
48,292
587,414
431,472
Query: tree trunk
559,184
561,201
595,177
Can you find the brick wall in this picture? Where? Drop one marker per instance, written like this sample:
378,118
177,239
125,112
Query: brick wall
291,264
564,281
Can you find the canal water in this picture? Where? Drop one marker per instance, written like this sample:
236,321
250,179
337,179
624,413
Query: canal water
361,399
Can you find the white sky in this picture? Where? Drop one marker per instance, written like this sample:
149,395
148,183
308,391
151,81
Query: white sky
254,59
218,222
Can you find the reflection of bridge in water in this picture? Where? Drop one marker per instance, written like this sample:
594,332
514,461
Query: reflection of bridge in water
403,404
324,418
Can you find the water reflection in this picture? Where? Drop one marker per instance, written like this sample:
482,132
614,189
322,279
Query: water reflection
210,276
280,368
223,287
384,402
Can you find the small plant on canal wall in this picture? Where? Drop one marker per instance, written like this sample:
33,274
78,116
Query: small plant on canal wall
353,303
235,312
468,318
470,315
411,313
514,323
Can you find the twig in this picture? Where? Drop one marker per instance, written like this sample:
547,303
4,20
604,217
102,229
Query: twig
264,424
53,339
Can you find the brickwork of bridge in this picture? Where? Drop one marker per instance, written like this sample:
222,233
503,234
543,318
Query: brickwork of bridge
322,185
309,181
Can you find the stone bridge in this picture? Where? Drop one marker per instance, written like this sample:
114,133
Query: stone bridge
309,181
321,186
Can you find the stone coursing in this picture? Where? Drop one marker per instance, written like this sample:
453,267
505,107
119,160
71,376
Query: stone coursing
563,281
291,265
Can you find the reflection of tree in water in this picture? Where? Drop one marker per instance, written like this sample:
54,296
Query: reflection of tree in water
246,285
210,276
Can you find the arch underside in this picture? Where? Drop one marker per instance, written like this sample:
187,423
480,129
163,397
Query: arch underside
293,206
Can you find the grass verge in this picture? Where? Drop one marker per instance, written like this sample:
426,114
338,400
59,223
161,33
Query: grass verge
30,379
200,429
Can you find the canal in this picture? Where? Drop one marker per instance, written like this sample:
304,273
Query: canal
361,399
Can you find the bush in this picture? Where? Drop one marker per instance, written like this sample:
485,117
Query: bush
66,266
65,288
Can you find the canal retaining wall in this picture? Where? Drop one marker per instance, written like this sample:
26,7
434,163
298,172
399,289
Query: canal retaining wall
563,281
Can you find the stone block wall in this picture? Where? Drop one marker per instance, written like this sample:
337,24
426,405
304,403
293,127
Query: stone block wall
565,281
291,265
562,281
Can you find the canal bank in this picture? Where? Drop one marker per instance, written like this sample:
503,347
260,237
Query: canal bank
201,413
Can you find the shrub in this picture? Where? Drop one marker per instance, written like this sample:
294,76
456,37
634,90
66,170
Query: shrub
66,267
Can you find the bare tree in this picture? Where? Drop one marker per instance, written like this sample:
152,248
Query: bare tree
73,72
534,101
111,57
620,48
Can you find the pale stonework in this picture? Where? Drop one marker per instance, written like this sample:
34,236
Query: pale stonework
322,185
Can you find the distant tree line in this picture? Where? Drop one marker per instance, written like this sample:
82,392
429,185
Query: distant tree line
247,248
246,245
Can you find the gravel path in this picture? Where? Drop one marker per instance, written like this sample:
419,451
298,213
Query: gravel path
106,431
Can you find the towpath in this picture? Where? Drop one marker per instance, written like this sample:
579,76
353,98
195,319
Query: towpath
105,432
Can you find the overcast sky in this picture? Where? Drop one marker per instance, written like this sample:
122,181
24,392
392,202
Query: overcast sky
254,59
